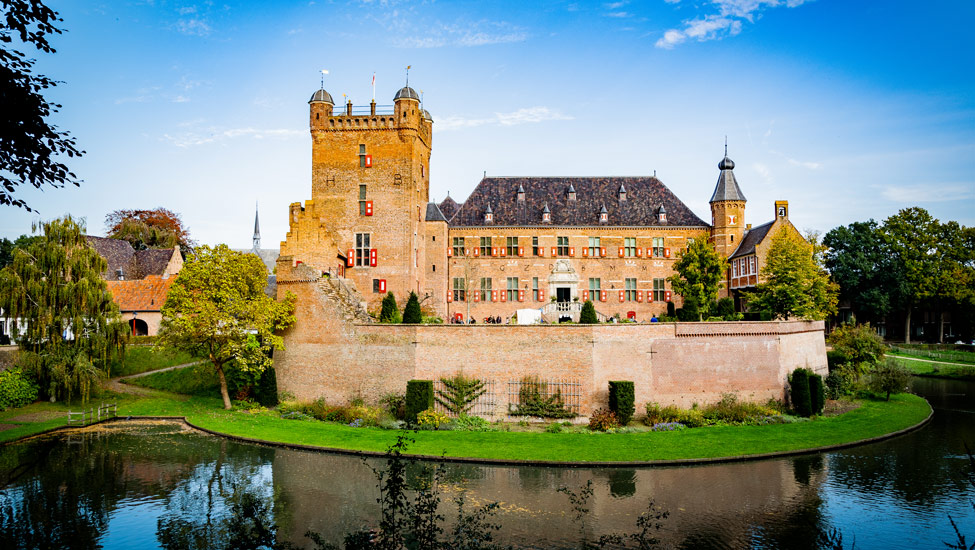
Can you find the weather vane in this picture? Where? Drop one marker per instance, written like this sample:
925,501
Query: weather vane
324,72
408,75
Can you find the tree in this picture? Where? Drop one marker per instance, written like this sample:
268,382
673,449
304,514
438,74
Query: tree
157,228
869,276
889,377
7,247
698,275
860,345
389,312
411,313
72,326
459,393
29,144
794,285
216,302
587,316
911,236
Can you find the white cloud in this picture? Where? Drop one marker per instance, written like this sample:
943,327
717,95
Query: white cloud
181,99
527,115
193,27
483,33
614,5
212,135
726,22
764,172
929,192
805,164
618,14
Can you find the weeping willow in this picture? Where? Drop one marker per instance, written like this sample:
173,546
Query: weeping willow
69,326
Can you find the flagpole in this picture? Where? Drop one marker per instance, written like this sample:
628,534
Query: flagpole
374,87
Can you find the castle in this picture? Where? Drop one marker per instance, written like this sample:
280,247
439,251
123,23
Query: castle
516,243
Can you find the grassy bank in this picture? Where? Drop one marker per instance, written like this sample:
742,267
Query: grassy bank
934,369
873,418
144,358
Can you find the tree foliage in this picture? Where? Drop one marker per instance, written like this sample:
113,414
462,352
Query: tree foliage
889,377
72,327
7,247
156,228
794,285
411,313
29,144
860,345
390,311
216,302
698,274
587,316
870,277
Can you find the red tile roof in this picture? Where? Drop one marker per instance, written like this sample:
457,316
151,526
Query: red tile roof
147,294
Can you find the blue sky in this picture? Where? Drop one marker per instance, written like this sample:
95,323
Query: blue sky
848,109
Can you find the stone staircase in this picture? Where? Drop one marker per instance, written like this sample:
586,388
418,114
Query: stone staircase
343,294
553,311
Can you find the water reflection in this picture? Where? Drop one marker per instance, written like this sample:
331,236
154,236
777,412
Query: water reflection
159,486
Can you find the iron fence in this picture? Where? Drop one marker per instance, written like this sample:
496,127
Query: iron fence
568,390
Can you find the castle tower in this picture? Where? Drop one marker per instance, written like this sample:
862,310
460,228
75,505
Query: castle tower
727,209
370,188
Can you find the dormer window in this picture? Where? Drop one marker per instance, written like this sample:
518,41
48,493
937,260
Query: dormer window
488,215
603,215
622,192
546,214
662,214
572,192
521,194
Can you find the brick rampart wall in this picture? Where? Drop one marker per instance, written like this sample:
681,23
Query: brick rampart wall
327,354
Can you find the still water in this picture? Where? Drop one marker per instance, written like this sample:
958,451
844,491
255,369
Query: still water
158,485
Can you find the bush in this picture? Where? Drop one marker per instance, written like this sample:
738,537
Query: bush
888,378
690,312
389,312
431,419
602,420
554,428
471,423
532,402
621,400
266,390
588,314
817,393
840,382
16,389
860,345
419,397
395,404
799,392
671,312
411,313
657,414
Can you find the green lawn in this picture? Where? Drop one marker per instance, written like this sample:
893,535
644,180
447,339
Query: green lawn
935,369
139,359
935,353
200,381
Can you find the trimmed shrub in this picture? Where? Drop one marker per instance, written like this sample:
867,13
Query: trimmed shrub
841,382
16,389
419,397
799,392
602,420
671,311
389,312
588,314
459,393
817,393
411,313
621,397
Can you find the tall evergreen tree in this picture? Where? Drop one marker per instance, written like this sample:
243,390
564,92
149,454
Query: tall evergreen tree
588,314
698,275
389,311
72,326
411,313
794,285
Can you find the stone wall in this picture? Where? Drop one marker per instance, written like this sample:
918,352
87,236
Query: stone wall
329,354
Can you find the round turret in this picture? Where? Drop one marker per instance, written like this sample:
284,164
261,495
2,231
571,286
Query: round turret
726,164
321,96
406,93
426,115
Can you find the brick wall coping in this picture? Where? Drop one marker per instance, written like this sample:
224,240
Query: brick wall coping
737,328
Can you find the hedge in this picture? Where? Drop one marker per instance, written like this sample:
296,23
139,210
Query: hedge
817,393
621,400
419,397
801,399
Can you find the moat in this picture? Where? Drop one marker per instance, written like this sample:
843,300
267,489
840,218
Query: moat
145,485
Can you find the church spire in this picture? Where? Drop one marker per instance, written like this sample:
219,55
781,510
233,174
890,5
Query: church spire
257,232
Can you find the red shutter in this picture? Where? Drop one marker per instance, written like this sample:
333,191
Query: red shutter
369,208
585,252
373,256
503,251
450,252
639,296
368,161
649,296
572,251
494,251
666,295
350,259
602,252
585,295
521,295
521,251
621,252
477,295
494,295
666,253
649,252
639,252
541,295
477,252
382,285
554,252
504,296
602,295
622,295
541,252
450,296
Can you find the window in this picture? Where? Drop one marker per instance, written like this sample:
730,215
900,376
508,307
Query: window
458,246
376,286
485,289
754,262
459,288
658,247
629,247
563,246
534,246
362,200
658,290
362,247
512,289
512,246
630,289
362,158
535,288
485,246
593,247
594,289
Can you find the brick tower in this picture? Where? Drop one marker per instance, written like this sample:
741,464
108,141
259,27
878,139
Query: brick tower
370,187
727,209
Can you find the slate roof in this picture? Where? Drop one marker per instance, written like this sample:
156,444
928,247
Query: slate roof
727,187
434,214
449,207
146,294
751,239
135,264
644,195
